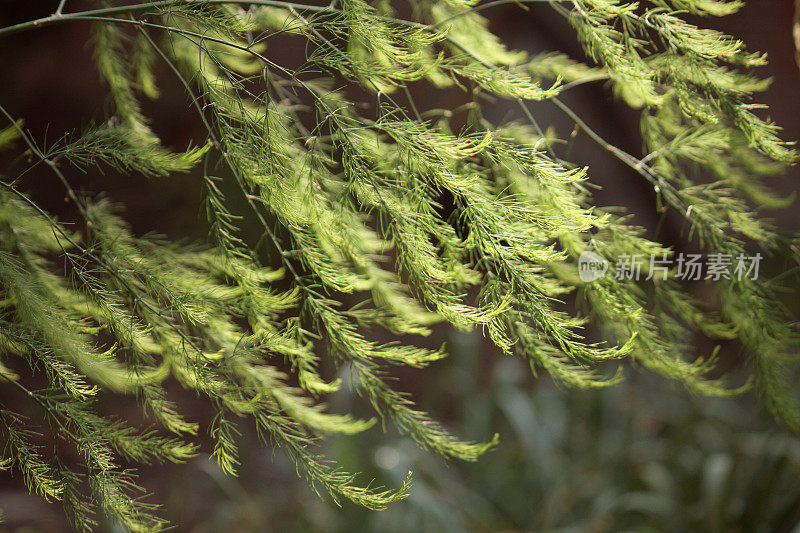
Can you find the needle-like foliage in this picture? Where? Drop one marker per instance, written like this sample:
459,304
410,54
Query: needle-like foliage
372,214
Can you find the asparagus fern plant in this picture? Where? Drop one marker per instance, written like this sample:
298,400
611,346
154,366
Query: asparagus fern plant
374,215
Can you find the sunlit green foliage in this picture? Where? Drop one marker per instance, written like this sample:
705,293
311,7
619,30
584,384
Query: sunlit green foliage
350,200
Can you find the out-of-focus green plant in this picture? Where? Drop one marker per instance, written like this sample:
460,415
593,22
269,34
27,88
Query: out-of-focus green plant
637,457
632,458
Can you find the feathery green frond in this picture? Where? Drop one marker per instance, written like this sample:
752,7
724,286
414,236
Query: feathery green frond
344,221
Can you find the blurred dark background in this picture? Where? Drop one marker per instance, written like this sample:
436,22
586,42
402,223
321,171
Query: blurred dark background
642,456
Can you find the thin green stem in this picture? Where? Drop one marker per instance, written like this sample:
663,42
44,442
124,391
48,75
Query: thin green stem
60,7
58,17
49,162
